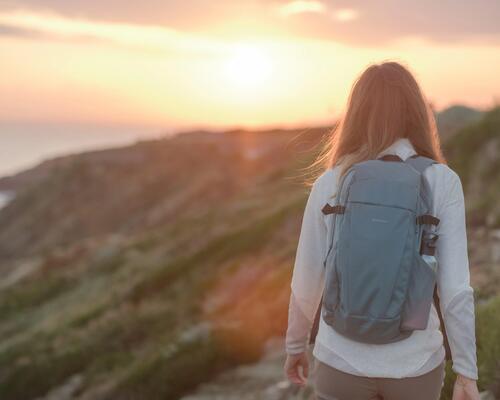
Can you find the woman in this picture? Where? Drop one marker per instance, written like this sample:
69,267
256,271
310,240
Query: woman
387,114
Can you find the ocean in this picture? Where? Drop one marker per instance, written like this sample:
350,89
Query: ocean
25,145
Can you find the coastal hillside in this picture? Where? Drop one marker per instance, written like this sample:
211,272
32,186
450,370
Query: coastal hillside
139,188
147,269
454,118
161,270
474,155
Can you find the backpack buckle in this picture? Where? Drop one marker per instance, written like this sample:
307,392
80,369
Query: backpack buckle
428,243
427,219
328,209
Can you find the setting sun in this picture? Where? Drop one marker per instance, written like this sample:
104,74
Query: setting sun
248,67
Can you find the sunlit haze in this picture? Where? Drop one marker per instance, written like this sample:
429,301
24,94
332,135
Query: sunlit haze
258,64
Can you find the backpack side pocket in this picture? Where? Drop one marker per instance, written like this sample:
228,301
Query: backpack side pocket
420,295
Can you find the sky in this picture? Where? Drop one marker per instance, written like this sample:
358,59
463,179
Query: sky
87,73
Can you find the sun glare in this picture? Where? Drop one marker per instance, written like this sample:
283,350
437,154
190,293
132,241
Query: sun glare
248,67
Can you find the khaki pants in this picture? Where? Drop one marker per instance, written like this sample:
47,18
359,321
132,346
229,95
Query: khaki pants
332,384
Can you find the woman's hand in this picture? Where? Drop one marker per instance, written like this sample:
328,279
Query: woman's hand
465,389
297,368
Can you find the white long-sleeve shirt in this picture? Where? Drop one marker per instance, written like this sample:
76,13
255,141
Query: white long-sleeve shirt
423,350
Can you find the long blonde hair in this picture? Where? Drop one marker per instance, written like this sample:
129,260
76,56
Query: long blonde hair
385,104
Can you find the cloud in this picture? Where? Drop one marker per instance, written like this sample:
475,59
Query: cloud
297,7
300,7
172,13
378,23
7,30
348,21
50,26
345,14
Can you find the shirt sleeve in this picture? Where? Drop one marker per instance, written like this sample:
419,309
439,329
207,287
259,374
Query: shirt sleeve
308,274
453,280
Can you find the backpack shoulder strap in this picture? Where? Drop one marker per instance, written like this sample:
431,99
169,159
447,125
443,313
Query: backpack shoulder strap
420,164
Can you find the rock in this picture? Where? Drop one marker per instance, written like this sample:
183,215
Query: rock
263,380
495,234
67,390
486,396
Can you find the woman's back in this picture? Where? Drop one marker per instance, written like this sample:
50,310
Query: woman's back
423,350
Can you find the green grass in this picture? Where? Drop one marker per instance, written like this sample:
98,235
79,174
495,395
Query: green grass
45,360
26,295
488,345
117,338
232,244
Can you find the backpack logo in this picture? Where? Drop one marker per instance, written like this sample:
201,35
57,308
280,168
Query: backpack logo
380,220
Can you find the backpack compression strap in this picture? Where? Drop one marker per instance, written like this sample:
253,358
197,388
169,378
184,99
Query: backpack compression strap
337,209
427,219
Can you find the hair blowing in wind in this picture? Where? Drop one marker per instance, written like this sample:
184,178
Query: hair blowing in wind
385,103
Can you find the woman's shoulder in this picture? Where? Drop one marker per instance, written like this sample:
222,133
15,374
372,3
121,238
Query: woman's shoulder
443,169
445,185
444,176
328,176
326,183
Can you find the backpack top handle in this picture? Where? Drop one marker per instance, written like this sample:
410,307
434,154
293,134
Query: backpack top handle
391,157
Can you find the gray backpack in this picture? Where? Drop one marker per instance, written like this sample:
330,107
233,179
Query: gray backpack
378,287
